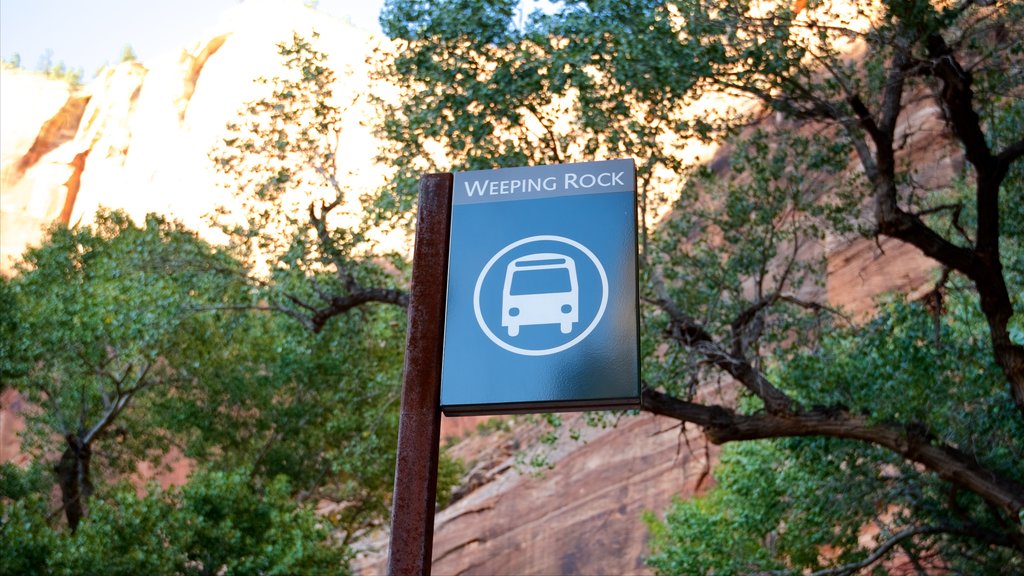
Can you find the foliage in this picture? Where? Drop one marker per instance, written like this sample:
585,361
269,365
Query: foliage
284,143
17,482
298,216
56,70
738,241
311,259
319,409
474,91
128,54
811,105
450,471
99,317
784,501
127,341
218,523
12,363
14,61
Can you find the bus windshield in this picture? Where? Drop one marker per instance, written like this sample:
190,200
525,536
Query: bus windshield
540,281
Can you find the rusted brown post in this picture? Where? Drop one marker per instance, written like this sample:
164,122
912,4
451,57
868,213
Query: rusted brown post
419,428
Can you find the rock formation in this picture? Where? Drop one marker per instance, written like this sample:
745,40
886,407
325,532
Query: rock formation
137,137
581,516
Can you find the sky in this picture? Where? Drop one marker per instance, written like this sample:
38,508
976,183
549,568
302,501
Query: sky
86,34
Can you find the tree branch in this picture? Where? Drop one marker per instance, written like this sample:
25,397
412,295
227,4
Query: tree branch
120,401
723,425
885,547
983,265
689,333
552,137
342,304
327,247
1012,153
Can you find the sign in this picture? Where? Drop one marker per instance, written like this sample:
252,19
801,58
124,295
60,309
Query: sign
542,310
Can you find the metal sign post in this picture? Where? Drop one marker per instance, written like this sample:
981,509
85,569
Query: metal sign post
419,429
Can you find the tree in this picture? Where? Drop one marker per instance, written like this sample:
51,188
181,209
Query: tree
99,318
308,257
317,409
58,71
298,215
128,54
126,341
723,276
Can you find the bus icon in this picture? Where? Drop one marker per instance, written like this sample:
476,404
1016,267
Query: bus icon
540,289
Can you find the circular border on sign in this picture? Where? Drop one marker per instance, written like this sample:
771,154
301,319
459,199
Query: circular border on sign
523,351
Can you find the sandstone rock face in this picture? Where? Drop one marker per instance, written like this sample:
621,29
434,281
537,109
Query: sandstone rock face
862,271
584,516
11,424
36,115
581,516
137,137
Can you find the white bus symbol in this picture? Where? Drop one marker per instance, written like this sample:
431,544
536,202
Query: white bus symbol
540,289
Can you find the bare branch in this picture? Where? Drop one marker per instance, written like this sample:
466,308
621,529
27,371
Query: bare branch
815,306
897,540
879,552
108,418
552,137
140,380
892,93
956,209
295,300
302,319
327,247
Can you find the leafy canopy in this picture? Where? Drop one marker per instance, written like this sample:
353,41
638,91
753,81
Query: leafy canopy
217,523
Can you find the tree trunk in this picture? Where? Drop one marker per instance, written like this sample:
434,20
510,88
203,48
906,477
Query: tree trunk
73,477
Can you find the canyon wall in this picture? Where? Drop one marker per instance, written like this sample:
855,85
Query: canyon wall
138,136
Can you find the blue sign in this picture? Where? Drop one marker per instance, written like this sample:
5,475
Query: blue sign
542,309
